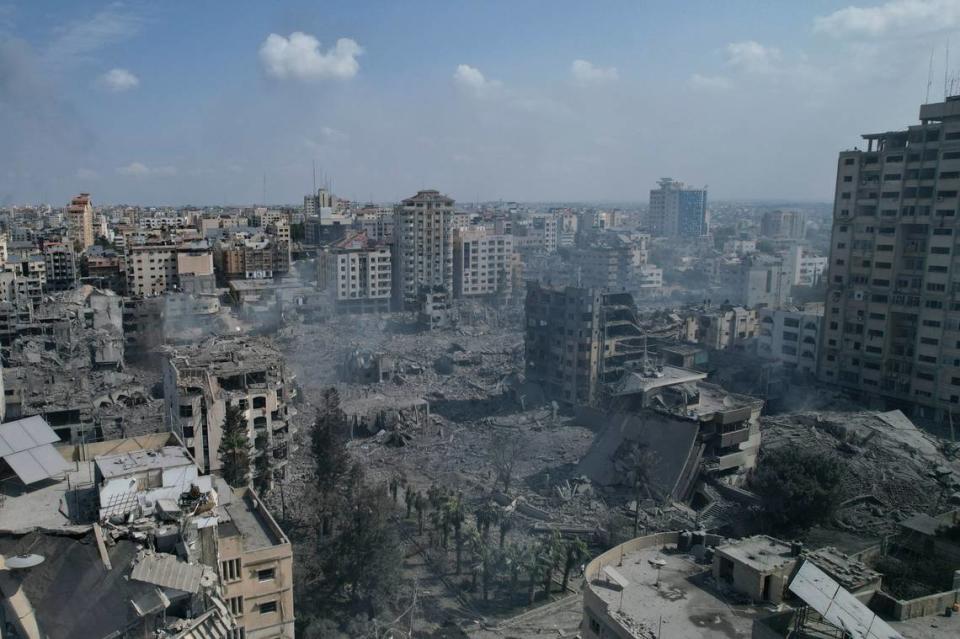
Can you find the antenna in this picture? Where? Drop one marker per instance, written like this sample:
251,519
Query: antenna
264,188
926,98
314,193
946,71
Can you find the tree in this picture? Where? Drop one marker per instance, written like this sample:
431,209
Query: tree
262,464
456,515
486,515
506,525
421,505
235,448
797,487
505,451
548,555
366,559
330,458
515,558
575,552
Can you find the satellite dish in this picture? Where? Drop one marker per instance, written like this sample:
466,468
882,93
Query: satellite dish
20,562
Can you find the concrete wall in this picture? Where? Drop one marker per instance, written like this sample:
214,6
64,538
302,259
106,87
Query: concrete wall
920,607
86,452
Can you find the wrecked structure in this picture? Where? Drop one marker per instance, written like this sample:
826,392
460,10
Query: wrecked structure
200,381
128,540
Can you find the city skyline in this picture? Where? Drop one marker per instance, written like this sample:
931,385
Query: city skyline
179,104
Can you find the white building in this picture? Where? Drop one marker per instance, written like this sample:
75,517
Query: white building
358,274
806,269
482,263
791,336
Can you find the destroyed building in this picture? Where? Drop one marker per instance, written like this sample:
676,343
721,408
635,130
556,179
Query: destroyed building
200,381
128,540
579,339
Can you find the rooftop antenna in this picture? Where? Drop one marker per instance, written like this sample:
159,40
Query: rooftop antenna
926,98
314,193
946,71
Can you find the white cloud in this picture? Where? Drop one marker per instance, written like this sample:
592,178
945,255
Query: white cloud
299,57
752,57
471,79
138,169
585,72
710,82
118,80
78,40
897,17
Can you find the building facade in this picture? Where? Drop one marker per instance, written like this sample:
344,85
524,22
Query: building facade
677,211
80,221
791,336
423,246
482,263
892,318
783,225
358,274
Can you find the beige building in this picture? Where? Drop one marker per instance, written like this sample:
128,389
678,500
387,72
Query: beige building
892,319
482,263
358,274
256,569
80,221
250,256
423,246
721,327
201,380
151,268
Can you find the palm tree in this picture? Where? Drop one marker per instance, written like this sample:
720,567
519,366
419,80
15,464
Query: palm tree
487,515
534,570
515,558
456,515
576,552
506,525
420,503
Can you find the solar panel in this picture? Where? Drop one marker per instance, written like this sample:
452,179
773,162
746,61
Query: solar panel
837,606
26,445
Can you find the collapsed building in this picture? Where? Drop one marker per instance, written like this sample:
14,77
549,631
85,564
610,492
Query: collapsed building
124,538
201,381
66,363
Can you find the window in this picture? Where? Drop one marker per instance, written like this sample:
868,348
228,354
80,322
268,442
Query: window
267,607
260,402
236,606
850,161
230,569
267,574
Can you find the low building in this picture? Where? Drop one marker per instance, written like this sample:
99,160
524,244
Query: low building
722,327
758,567
357,272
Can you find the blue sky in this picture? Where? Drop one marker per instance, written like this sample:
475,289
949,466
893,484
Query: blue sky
194,102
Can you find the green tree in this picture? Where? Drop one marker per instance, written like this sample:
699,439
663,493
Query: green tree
575,551
797,487
505,452
332,468
456,515
235,448
548,556
507,523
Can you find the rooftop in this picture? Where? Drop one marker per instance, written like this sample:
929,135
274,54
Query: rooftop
760,552
137,461
647,380
679,597
246,518
50,503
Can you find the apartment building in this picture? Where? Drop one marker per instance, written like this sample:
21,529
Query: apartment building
357,272
677,211
60,264
151,268
30,277
781,225
612,262
423,246
791,336
806,268
482,263
195,271
80,221
892,319
579,339
256,569
248,255
201,380
721,327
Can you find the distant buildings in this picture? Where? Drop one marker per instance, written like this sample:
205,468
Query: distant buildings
721,327
783,225
80,221
891,321
423,246
677,211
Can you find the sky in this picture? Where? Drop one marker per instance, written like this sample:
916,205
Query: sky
217,102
